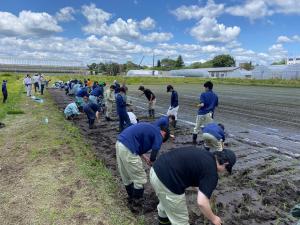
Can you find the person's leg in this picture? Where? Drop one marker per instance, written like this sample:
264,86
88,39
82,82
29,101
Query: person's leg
171,207
127,120
153,108
212,142
42,89
108,111
136,172
120,154
196,129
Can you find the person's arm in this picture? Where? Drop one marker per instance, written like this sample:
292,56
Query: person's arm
204,205
146,159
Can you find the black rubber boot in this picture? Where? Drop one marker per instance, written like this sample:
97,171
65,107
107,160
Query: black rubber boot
129,190
194,139
153,113
163,220
150,113
91,124
137,193
175,123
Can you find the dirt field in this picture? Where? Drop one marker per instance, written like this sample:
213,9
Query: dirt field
265,184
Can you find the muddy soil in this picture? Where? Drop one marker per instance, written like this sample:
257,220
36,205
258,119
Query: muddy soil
262,190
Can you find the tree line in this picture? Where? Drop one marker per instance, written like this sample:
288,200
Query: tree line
114,69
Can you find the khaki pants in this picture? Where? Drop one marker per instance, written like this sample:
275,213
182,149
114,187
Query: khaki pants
170,205
152,104
130,167
109,107
173,111
201,121
212,142
28,89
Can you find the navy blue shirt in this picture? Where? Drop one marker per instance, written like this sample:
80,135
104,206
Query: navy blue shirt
174,99
162,122
4,88
187,167
90,109
214,130
141,138
117,88
210,101
82,92
121,104
97,91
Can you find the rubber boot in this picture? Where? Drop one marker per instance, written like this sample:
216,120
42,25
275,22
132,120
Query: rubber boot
129,190
153,113
163,220
175,123
194,139
91,124
137,193
150,113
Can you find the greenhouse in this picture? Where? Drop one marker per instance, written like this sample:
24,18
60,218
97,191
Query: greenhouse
277,72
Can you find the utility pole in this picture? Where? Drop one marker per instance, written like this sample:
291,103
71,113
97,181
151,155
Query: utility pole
153,65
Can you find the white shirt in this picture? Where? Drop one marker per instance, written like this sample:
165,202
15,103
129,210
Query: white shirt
132,117
27,80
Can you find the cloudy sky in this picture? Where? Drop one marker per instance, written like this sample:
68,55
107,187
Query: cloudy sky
261,31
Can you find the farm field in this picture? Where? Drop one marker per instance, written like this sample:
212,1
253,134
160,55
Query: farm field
265,183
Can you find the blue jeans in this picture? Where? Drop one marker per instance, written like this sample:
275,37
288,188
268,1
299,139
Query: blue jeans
124,121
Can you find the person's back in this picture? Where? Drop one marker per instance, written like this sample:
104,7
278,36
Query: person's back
163,121
121,103
215,130
210,101
187,167
141,137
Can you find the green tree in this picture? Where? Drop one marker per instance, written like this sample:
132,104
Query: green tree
179,62
167,63
158,63
92,68
223,61
281,62
247,66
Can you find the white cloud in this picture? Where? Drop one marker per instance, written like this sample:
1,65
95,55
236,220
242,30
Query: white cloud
96,18
208,30
27,23
283,39
147,24
196,12
157,37
253,9
65,14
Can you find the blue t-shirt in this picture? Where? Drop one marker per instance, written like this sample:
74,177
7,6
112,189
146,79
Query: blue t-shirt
82,92
121,104
174,99
141,138
210,101
214,130
117,88
4,89
162,122
98,91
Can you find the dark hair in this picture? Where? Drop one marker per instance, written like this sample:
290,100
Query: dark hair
220,157
209,85
112,87
172,117
167,131
169,87
141,88
221,125
122,89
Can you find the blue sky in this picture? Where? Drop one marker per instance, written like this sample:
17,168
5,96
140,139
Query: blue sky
261,31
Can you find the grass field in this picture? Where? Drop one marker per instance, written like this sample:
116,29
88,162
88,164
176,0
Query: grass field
49,174
181,80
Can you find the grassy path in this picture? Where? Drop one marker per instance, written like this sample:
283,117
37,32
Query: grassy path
49,175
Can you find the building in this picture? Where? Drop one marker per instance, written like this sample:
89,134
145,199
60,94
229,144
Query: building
292,61
289,72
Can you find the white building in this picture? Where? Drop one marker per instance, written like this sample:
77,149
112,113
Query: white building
292,61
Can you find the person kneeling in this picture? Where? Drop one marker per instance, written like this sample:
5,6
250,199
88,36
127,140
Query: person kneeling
71,111
213,136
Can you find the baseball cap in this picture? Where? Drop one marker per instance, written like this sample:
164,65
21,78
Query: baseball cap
231,158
